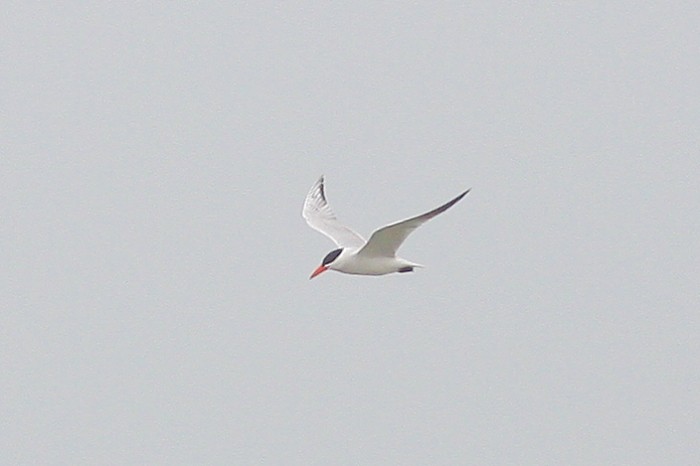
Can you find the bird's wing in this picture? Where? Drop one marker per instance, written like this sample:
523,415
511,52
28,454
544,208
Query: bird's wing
319,216
385,241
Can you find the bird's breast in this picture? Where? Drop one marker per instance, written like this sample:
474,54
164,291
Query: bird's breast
354,264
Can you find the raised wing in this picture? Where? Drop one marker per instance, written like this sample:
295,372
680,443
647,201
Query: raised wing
319,216
385,241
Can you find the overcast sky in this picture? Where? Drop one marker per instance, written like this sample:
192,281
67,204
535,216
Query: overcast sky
155,306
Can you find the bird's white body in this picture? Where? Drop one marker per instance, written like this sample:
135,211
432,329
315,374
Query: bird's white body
349,261
354,255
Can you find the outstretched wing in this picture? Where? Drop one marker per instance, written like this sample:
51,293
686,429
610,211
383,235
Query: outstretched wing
319,216
385,241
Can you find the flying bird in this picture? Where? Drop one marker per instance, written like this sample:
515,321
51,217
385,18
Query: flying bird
354,255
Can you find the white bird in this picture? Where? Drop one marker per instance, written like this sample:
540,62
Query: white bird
355,255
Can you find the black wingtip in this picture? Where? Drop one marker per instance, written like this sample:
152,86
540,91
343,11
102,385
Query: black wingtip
446,206
321,187
459,198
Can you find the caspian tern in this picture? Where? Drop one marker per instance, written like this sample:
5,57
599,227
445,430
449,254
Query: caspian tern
354,255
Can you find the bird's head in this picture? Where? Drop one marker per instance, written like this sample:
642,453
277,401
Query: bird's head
326,262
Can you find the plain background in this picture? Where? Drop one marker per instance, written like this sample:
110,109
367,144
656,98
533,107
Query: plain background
155,301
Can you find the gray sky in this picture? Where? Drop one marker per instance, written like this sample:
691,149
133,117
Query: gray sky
156,307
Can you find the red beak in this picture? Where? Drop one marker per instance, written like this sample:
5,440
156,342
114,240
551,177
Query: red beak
319,270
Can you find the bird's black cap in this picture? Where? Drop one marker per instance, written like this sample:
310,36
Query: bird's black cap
331,256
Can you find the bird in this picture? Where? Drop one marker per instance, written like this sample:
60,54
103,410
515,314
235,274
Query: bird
353,254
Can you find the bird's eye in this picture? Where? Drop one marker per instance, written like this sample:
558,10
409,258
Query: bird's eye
331,256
